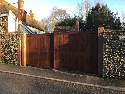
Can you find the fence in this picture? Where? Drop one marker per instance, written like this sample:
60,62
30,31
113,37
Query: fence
71,51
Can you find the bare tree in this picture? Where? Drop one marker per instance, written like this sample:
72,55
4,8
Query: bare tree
56,15
59,14
123,17
123,20
46,22
82,8
80,11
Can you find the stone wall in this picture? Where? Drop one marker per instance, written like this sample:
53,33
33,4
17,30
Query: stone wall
9,43
9,48
114,54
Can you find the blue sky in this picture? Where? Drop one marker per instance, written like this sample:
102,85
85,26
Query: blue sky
115,5
42,8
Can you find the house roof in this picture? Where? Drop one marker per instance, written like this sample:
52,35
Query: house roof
5,6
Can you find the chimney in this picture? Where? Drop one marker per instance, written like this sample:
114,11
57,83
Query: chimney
32,15
21,12
21,4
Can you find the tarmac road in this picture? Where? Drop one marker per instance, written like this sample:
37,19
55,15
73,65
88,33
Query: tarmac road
29,80
19,84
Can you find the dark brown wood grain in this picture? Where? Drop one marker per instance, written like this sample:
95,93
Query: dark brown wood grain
39,50
74,51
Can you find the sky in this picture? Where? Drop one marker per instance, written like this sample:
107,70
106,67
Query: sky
42,8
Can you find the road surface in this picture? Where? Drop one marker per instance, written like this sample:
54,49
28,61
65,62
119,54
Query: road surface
19,84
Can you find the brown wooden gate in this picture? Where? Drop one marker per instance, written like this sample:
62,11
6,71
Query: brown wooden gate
76,51
40,50
71,51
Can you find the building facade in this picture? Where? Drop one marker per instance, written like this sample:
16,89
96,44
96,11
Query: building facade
12,23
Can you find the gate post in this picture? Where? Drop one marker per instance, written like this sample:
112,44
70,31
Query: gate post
23,38
100,50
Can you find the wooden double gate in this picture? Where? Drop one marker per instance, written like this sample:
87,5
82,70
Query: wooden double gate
70,51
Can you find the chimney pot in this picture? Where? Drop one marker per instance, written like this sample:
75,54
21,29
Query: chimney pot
30,11
32,14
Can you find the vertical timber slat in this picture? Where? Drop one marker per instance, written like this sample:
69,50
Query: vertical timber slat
24,49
